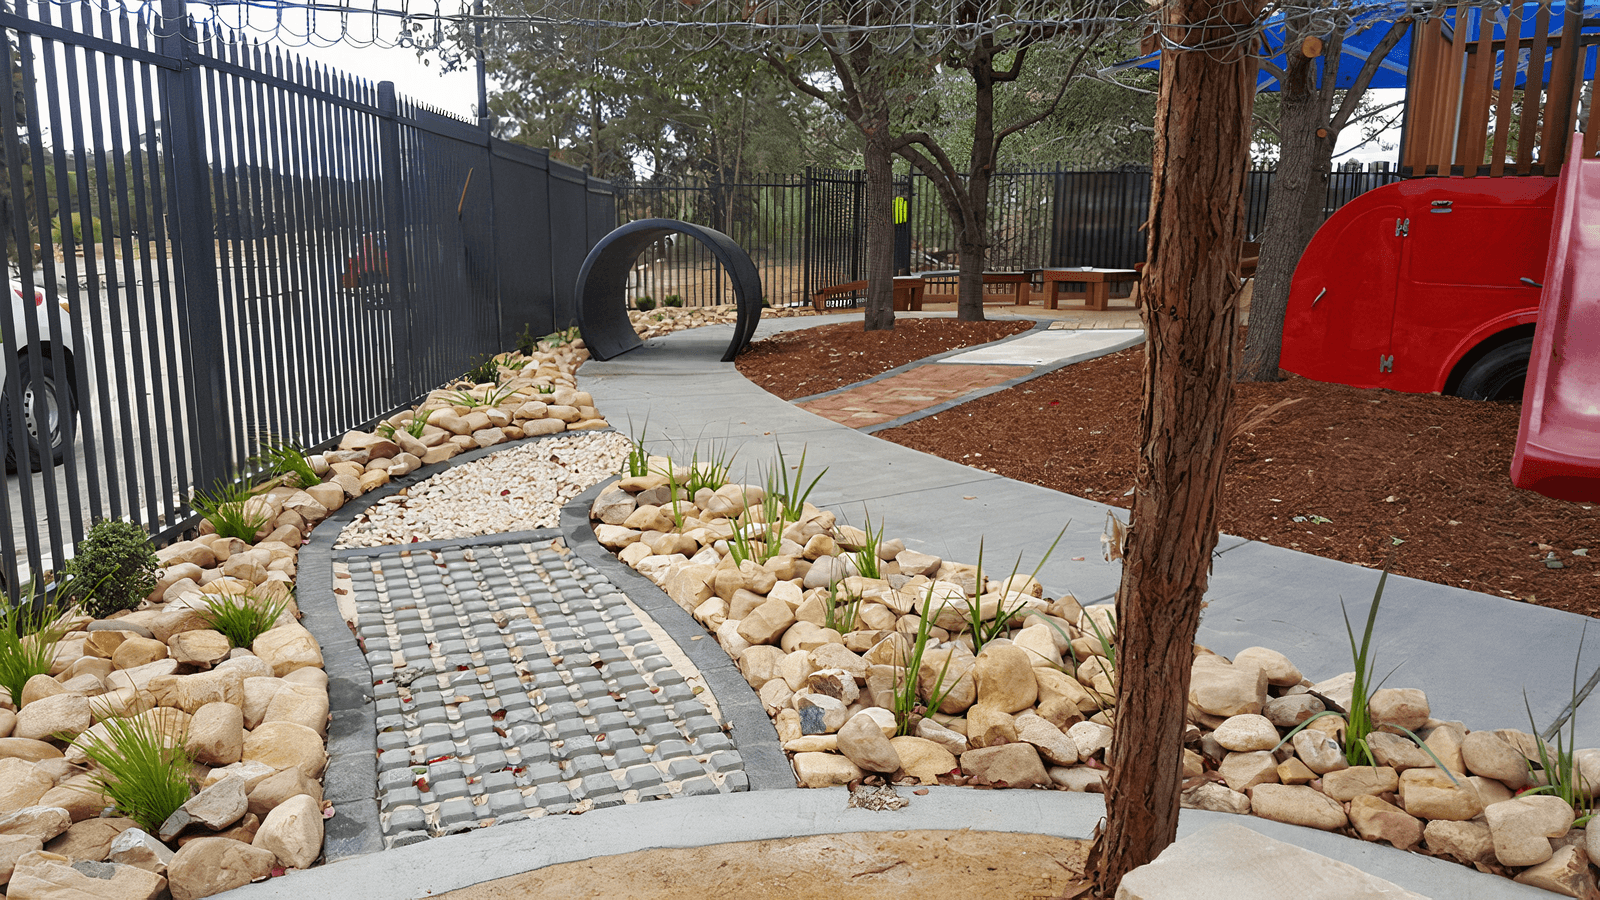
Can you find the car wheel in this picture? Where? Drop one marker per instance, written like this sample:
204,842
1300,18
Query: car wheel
1500,374
48,411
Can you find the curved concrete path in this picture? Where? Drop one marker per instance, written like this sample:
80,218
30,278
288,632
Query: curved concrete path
1261,595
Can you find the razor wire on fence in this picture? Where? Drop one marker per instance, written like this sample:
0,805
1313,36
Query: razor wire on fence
789,27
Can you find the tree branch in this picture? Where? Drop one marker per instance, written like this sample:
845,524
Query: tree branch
1055,103
1352,97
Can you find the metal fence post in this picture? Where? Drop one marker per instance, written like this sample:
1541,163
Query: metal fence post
394,224
805,262
198,300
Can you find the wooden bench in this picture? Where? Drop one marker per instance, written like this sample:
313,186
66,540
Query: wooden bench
1096,283
910,290
907,293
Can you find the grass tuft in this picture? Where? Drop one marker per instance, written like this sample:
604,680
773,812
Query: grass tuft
867,562
1557,768
842,610
289,460
225,507
146,777
638,462
30,629
243,617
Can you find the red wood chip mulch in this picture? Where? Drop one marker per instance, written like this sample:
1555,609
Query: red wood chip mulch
1354,475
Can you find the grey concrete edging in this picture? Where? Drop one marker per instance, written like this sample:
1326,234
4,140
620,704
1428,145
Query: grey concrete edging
350,782
1036,372
1038,325
753,733
458,861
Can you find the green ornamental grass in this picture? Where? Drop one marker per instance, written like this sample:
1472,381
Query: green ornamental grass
225,507
1358,718
145,774
30,629
242,617
289,460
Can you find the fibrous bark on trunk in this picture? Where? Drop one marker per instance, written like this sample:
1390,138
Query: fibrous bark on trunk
1202,147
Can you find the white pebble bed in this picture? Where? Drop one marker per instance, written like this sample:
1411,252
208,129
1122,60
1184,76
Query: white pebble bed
519,489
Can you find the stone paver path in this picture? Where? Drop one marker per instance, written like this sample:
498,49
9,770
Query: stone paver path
898,397
877,402
513,680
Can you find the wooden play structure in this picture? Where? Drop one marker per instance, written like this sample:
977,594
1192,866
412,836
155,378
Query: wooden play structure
1465,117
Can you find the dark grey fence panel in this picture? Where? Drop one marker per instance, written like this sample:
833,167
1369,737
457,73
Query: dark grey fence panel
806,231
569,232
225,244
522,240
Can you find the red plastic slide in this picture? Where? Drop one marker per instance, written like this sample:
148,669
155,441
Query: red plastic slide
1558,444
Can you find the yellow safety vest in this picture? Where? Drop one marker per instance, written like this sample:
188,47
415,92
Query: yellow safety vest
899,210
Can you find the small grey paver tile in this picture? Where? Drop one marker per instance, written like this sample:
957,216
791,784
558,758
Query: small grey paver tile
487,685
698,787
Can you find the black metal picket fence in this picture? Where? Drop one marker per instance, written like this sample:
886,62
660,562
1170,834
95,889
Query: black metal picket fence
211,242
805,231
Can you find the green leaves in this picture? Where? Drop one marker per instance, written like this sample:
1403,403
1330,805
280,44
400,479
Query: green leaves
243,617
227,507
143,769
30,629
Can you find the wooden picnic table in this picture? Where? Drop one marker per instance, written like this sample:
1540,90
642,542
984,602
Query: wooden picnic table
909,290
1096,283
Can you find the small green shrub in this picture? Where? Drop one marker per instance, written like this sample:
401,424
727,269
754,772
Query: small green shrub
30,629
145,773
644,304
225,507
243,617
672,300
113,569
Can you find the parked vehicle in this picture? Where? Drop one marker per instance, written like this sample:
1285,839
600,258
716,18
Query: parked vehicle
1426,285
49,407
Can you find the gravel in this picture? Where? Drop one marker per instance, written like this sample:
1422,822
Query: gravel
520,489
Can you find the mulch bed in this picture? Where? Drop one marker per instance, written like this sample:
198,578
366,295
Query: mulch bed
814,360
1362,476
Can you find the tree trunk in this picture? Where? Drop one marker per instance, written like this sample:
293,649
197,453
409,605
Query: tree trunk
879,167
1294,209
1196,214
974,231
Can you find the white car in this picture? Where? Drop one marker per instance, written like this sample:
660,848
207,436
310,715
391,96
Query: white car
48,407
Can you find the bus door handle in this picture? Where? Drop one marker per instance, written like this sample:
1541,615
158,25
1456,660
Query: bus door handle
1530,282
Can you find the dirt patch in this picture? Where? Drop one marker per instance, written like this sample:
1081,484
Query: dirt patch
932,865
813,360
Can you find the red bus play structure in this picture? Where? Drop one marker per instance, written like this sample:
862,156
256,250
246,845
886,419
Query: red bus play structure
1485,281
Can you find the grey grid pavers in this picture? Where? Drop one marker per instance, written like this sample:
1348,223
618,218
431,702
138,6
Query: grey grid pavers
513,680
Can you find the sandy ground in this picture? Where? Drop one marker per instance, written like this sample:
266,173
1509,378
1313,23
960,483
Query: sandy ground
926,865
